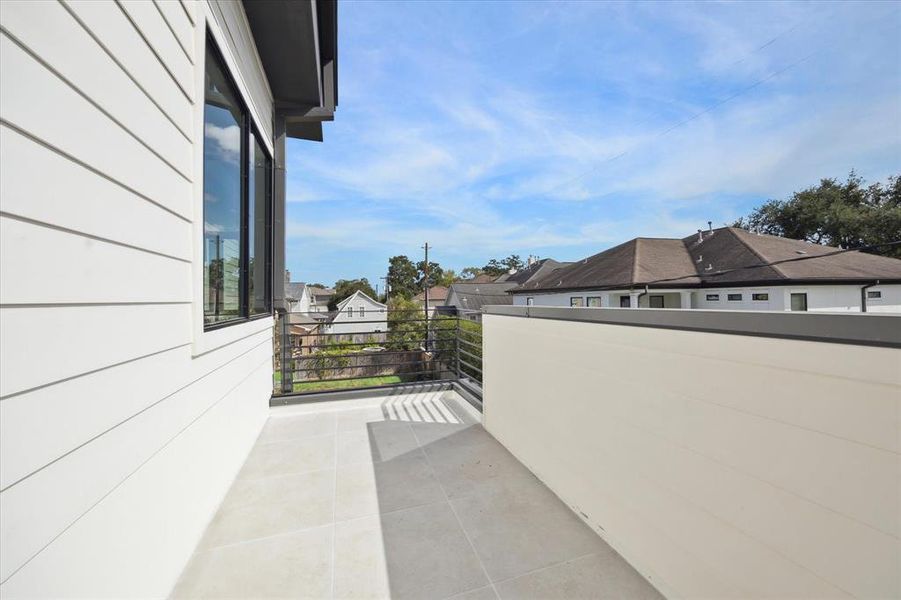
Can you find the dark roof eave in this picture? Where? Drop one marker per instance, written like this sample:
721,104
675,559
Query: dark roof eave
714,284
297,44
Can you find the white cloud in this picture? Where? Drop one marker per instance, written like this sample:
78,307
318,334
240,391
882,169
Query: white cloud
227,140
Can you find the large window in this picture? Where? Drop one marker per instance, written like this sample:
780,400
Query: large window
576,301
237,200
594,301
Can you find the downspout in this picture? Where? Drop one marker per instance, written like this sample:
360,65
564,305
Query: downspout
863,295
640,296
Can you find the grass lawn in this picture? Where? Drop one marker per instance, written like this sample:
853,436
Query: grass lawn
321,386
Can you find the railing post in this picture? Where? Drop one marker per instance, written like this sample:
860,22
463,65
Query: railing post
287,374
457,348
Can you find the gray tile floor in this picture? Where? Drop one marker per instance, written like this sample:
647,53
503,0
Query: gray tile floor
404,496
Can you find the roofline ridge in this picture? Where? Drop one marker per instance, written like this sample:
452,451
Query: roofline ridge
755,252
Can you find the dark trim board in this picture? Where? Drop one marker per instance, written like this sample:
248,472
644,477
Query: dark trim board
638,287
861,329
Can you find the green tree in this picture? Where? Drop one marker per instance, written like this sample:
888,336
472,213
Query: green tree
436,273
846,215
496,268
406,325
470,273
402,276
448,278
344,288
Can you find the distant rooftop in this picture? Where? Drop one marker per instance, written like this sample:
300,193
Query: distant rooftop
715,257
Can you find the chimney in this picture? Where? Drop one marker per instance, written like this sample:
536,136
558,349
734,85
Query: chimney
710,226
532,260
700,236
287,276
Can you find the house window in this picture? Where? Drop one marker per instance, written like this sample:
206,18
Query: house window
530,301
799,302
655,301
874,294
350,311
362,312
734,297
594,301
237,199
625,301
577,301
760,297
713,297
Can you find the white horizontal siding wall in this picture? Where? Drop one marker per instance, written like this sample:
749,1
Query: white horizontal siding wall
121,422
823,298
718,465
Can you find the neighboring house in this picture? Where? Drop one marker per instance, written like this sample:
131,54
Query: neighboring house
320,298
723,268
142,208
360,317
535,269
298,297
467,299
437,297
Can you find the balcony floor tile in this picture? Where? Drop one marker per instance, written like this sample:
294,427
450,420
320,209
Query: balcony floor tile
402,497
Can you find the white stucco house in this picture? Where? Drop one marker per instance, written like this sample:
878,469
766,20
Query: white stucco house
361,315
722,269
142,191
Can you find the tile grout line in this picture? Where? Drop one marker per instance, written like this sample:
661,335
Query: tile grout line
456,516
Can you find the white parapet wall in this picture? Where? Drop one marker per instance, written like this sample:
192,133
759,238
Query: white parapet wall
721,465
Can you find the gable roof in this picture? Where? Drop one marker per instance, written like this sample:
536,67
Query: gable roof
537,269
436,292
473,296
724,256
319,292
295,290
356,294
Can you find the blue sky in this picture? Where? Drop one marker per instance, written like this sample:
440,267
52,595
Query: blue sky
560,129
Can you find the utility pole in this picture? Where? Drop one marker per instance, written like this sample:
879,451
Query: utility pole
426,282
387,288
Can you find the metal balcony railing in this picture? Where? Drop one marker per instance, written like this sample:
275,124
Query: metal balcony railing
325,351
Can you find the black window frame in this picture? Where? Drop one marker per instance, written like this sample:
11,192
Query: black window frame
712,297
755,297
735,297
655,297
249,133
589,304
574,299
874,294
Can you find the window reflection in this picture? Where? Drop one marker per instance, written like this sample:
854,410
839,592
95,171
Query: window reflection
223,121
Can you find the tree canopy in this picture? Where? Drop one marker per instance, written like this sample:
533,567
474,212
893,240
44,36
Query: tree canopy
846,214
402,277
436,273
471,272
345,288
496,268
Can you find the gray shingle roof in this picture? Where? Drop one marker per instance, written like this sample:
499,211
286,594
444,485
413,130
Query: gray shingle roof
473,296
295,290
712,260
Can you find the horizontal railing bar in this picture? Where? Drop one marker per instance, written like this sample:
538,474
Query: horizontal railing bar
466,364
474,345
380,345
370,343
345,367
470,354
430,371
321,356
355,320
